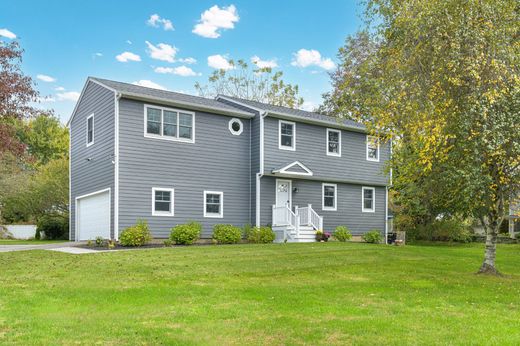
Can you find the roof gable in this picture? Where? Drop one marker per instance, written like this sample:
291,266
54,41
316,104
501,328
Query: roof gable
294,168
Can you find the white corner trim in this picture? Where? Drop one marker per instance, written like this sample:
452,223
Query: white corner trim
76,218
280,146
386,215
368,140
91,116
284,170
117,96
172,202
214,215
338,154
168,138
323,207
368,210
230,126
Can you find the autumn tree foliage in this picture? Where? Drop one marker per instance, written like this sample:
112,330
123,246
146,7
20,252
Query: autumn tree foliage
442,78
16,93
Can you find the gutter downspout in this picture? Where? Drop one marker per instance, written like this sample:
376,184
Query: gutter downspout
260,174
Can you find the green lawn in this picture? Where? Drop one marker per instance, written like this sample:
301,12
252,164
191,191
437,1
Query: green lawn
322,293
28,241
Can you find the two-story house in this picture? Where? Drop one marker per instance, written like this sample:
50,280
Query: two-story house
170,158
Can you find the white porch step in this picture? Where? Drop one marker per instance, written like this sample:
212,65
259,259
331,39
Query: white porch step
307,234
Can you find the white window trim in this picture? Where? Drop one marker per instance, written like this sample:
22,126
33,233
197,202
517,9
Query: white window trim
363,209
280,146
323,207
93,125
233,132
214,215
338,154
378,150
172,202
167,138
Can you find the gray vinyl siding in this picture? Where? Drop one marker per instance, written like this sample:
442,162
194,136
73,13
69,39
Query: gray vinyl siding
311,145
349,208
98,173
217,161
255,151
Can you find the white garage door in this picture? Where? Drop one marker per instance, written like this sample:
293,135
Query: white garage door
94,216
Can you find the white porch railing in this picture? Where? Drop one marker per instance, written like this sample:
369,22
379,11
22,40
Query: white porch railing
306,216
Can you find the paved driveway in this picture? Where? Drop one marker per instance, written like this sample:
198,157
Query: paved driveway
9,248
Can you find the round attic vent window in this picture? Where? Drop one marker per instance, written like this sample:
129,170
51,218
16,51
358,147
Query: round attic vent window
235,126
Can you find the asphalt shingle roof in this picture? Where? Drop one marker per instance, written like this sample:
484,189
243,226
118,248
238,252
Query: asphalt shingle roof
298,113
136,90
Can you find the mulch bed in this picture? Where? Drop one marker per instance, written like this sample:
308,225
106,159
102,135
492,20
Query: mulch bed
152,245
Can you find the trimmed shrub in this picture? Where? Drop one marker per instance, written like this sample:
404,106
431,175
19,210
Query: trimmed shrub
451,230
186,234
373,236
227,234
261,235
342,233
137,235
52,227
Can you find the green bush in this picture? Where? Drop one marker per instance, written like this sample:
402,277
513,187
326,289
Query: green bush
186,234
342,233
452,230
53,227
261,235
373,236
246,230
227,234
137,235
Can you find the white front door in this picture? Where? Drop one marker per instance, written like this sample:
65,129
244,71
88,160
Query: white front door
283,193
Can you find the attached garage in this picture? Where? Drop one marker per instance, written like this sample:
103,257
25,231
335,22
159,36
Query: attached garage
93,215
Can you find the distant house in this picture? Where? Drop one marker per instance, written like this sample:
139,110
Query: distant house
170,158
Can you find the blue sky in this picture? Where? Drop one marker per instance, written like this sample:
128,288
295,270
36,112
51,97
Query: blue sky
68,41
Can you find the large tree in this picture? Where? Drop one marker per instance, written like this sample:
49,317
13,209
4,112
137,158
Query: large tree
16,94
251,82
443,79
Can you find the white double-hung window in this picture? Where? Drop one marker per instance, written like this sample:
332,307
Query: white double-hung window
167,123
162,201
90,130
213,204
333,142
329,196
372,148
368,199
286,135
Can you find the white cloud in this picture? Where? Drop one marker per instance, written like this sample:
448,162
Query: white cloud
45,78
183,71
263,63
155,20
308,106
219,62
149,84
68,96
188,60
7,33
59,88
304,58
46,99
98,54
128,56
128,41
162,51
214,19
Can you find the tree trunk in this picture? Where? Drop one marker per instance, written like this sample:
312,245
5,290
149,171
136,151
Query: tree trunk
488,267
